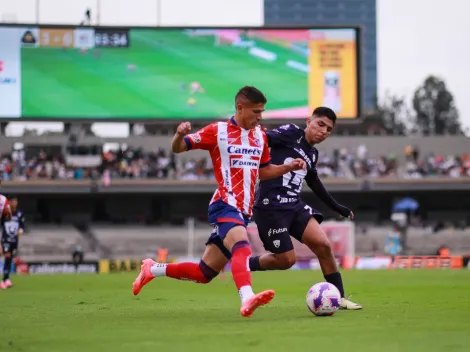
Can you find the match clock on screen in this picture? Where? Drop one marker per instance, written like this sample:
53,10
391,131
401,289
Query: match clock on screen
109,38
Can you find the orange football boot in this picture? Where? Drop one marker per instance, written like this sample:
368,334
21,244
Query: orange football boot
258,300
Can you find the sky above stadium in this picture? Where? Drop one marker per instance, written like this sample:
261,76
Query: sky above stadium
421,37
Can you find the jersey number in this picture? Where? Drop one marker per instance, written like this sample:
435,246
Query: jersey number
294,179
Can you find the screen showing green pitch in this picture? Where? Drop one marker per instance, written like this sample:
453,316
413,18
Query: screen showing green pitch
162,73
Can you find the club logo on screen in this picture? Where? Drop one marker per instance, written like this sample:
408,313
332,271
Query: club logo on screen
28,38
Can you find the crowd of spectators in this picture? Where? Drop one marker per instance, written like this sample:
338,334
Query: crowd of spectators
135,163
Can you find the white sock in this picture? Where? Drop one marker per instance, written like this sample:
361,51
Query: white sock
246,292
158,269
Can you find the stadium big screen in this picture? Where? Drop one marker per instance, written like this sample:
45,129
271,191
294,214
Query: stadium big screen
121,73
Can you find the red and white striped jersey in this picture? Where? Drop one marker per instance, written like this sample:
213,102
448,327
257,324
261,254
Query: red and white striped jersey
237,155
3,206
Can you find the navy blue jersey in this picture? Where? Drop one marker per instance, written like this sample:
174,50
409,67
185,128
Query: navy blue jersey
10,228
287,143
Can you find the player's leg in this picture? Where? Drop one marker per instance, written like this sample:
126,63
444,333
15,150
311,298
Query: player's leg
8,250
236,241
211,263
313,236
273,231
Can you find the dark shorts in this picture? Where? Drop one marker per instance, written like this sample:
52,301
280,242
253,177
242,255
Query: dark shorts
9,247
223,218
276,226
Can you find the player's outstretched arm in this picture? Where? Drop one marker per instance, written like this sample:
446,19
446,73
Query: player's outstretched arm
315,184
178,145
274,171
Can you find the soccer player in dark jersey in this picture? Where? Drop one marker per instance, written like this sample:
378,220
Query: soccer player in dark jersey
279,211
11,230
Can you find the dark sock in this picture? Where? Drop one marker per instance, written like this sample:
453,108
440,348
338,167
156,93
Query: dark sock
336,280
7,268
255,264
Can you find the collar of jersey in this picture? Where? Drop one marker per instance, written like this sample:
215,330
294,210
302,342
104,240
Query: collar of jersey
304,140
232,121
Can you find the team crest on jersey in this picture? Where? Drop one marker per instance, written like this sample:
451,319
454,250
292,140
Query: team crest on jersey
257,143
196,137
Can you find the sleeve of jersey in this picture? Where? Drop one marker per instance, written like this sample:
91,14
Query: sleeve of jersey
21,222
265,156
205,138
5,207
281,134
315,184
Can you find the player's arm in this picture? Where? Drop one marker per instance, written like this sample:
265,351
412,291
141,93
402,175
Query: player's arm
205,138
21,225
315,184
274,171
178,145
268,170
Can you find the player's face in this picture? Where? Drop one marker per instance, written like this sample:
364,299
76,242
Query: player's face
250,114
13,203
319,128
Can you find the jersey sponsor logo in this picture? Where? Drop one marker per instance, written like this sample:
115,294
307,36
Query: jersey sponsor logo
287,200
276,231
196,137
304,156
238,150
241,164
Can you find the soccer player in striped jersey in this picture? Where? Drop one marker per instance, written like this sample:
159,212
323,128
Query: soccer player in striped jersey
240,154
280,212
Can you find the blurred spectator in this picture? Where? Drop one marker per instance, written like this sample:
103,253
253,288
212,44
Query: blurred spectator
392,242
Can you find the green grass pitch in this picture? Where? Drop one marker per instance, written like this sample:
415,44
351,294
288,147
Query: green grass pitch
404,311
58,83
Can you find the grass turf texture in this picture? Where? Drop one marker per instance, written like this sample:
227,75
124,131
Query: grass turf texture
403,311
67,83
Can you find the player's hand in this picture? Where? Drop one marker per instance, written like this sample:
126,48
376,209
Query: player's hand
184,128
297,164
350,216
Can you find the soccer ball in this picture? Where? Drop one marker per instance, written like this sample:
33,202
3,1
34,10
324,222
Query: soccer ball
323,299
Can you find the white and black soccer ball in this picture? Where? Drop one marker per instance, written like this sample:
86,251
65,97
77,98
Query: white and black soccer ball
323,299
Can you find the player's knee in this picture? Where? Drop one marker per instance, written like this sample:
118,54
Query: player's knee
286,261
323,249
207,273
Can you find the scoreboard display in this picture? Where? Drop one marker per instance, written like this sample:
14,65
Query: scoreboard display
76,37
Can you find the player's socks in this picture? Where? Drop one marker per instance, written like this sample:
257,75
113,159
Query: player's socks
200,273
255,264
336,280
241,251
7,268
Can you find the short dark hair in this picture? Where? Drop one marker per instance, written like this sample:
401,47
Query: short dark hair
324,111
12,197
251,94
